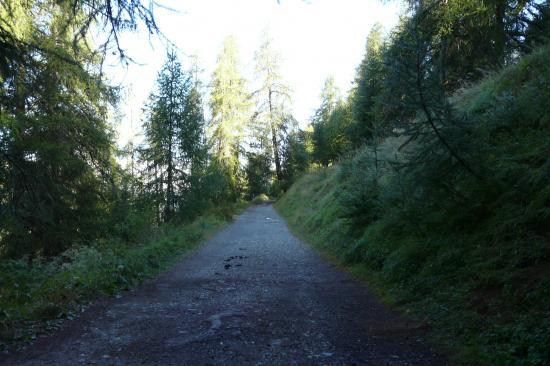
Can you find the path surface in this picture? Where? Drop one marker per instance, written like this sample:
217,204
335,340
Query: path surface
252,295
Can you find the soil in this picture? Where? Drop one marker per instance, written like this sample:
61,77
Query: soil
252,295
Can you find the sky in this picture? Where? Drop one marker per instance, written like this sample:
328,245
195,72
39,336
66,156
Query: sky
316,38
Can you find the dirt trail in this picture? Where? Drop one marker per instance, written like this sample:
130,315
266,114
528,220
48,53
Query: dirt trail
252,295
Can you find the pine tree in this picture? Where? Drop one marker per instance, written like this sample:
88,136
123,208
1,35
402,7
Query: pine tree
296,154
193,153
470,37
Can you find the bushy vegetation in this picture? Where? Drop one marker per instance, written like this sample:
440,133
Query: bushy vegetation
438,191
261,198
64,182
467,253
74,206
36,295
441,195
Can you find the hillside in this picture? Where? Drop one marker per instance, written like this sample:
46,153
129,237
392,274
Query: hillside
465,252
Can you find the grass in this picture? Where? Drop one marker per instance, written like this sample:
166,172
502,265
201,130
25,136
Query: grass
475,319
470,259
36,297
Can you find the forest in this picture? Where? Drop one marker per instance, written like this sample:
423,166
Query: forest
430,178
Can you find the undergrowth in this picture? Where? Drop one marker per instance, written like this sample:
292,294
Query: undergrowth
468,255
37,295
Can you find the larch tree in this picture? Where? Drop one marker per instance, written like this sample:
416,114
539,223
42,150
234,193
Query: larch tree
58,175
56,161
193,153
366,91
273,100
173,134
330,98
230,111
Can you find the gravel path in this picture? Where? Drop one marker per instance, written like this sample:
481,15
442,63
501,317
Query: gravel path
252,295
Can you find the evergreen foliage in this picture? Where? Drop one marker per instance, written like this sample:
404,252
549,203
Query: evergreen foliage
296,155
273,99
364,98
230,109
258,174
438,189
444,204
330,99
460,241
56,146
174,134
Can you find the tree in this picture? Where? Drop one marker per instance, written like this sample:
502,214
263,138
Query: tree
229,105
22,21
297,149
258,173
534,28
367,89
273,97
174,136
194,194
470,36
55,143
330,98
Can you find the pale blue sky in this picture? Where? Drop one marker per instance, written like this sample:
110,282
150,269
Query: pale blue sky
316,38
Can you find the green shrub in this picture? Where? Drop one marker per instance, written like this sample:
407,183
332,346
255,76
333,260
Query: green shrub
35,295
261,198
468,254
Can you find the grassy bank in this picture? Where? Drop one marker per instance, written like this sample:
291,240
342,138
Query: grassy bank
37,296
482,315
467,254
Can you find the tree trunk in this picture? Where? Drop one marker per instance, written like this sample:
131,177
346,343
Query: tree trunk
170,171
170,176
274,141
158,183
500,31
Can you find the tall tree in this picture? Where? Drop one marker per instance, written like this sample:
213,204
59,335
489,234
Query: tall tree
193,151
57,172
470,36
273,99
330,98
365,95
173,134
297,149
230,109
21,20
55,143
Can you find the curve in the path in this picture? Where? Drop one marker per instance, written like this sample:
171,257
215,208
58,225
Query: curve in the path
252,295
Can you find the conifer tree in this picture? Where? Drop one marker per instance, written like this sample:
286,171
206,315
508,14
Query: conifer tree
330,98
174,136
273,99
230,109
56,146
368,84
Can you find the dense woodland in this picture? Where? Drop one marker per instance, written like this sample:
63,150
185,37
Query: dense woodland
445,130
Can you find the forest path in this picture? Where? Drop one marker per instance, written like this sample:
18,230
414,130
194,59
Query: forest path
252,295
